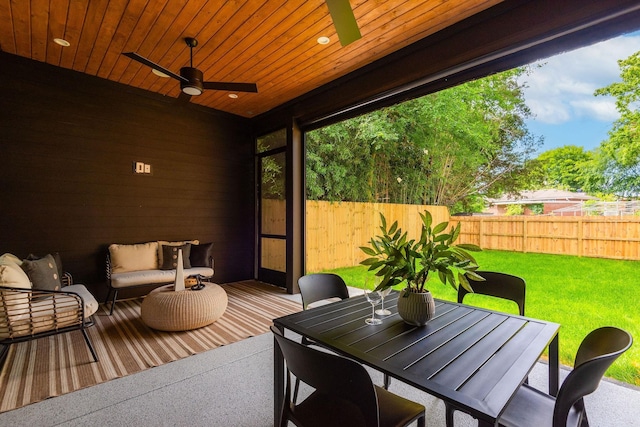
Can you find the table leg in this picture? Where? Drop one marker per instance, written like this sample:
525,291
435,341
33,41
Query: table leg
554,367
278,381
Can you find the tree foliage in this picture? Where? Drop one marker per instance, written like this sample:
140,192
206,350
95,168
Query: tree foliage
448,148
624,139
562,168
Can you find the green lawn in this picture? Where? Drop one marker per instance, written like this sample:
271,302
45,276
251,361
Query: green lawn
580,294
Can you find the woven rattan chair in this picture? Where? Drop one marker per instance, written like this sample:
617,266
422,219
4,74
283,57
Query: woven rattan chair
344,394
28,314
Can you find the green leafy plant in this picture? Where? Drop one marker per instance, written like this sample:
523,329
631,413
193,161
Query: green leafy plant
396,259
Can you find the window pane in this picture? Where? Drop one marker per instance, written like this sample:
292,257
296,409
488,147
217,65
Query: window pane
273,140
274,254
272,190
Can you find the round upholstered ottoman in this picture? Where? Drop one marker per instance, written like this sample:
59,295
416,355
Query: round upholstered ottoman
167,310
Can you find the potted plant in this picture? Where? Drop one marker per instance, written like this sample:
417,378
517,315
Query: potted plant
396,259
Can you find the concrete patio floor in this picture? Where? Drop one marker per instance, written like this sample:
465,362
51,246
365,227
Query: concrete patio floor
233,385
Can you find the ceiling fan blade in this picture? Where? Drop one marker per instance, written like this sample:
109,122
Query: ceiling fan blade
233,87
344,21
153,65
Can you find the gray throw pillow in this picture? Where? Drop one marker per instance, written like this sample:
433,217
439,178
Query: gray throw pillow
43,273
170,256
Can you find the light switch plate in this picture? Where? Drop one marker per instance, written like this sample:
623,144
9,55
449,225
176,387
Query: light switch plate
147,168
139,167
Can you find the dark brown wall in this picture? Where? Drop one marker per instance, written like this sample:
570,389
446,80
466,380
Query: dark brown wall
68,142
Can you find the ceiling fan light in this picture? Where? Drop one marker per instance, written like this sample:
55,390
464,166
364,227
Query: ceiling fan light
192,90
193,84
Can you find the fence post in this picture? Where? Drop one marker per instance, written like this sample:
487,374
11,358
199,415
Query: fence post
580,234
524,235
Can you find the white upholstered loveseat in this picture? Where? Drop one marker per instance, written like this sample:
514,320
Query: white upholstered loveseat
154,263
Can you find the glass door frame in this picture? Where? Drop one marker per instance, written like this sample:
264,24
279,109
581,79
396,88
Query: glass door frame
295,211
265,274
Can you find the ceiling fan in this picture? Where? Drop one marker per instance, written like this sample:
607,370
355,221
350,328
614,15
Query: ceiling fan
344,21
190,78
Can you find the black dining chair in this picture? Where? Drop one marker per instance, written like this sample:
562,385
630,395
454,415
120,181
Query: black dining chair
343,395
321,286
499,285
533,408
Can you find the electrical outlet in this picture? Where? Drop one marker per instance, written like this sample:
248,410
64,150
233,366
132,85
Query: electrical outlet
138,167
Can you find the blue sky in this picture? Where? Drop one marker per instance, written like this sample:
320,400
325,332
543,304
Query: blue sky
560,91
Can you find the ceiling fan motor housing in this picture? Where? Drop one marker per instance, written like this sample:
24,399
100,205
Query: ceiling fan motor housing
194,85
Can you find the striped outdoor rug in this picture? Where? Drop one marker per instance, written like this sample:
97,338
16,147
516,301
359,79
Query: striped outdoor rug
52,366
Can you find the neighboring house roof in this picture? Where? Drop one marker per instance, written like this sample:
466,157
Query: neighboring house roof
542,196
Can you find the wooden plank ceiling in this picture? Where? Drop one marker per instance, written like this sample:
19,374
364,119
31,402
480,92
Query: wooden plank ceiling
268,42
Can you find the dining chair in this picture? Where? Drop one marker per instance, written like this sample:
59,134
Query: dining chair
533,408
321,287
343,395
499,285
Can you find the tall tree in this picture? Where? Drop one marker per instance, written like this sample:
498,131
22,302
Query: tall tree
624,139
616,165
448,148
562,168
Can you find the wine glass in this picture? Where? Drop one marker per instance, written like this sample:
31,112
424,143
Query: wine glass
383,311
374,299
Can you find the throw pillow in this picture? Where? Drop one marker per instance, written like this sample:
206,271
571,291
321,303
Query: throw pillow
43,273
170,256
11,275
162,243
56,257
200,255
142,256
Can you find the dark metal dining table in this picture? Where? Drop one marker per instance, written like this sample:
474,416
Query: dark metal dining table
474,359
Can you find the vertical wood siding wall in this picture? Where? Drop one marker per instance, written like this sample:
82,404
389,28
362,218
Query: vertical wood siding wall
68,144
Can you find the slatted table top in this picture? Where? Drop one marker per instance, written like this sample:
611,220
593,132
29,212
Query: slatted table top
470,357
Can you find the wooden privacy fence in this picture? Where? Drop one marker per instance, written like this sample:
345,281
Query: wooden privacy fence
335,231
593,236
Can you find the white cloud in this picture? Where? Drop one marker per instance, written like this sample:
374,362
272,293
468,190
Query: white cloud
561,88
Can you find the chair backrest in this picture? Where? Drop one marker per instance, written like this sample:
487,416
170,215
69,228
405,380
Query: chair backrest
599,349
332,375
321,286
500,285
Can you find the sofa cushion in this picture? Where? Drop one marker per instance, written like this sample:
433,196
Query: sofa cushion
200,255
170,256
43,273
90,303
142,256
166,243
152,277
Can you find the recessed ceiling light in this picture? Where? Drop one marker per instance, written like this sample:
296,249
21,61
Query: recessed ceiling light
62,42
323,40
159,73
233,96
